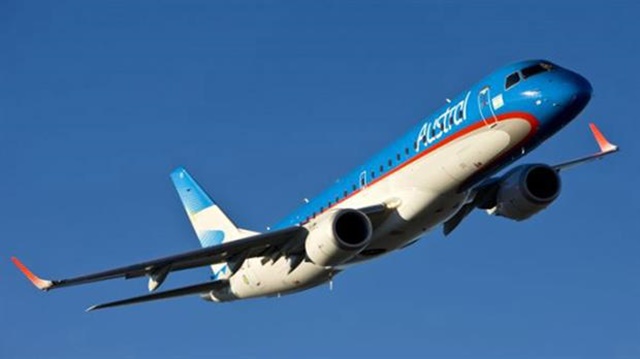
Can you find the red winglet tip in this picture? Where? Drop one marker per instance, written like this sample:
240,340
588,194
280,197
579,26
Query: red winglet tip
605,146
41,284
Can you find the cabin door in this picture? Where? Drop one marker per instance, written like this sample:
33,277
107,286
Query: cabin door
485,107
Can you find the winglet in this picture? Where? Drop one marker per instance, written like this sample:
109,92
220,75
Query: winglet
41,284
605,146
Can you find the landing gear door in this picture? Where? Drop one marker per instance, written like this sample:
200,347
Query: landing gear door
485,107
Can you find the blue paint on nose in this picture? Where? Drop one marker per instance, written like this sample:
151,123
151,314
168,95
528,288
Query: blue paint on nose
572,93
567,94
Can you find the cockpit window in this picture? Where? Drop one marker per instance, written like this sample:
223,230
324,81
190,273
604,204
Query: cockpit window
536,69
512,79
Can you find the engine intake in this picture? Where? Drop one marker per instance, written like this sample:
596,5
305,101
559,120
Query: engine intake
526,190
338,237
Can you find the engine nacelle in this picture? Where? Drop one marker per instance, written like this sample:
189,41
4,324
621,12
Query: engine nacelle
338,237
526,190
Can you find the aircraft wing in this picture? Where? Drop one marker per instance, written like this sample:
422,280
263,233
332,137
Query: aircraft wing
271,246
487,190
178,292
158,269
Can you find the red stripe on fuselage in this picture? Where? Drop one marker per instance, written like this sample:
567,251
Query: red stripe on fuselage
480,124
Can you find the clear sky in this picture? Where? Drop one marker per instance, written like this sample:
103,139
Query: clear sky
267,102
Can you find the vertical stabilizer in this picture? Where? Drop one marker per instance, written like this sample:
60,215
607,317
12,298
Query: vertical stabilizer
211,225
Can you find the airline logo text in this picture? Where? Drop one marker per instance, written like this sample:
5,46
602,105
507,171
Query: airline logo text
450,119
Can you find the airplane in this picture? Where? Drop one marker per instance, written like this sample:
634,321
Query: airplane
443,168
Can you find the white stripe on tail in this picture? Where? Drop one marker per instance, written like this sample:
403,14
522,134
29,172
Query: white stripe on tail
211,225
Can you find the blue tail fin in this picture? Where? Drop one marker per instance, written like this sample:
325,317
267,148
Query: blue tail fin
211,225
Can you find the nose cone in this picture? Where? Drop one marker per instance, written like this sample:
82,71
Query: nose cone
581,91
572,93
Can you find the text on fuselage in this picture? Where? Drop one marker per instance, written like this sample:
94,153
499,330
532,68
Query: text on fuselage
450,119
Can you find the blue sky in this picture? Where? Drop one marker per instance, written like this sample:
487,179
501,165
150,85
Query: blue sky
267,102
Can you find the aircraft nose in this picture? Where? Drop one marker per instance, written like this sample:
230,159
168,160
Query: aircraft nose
582,90
573,91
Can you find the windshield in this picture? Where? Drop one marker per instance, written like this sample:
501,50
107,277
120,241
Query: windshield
511,80
536,69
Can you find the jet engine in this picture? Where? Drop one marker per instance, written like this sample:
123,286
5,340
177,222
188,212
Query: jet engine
526,190
338,237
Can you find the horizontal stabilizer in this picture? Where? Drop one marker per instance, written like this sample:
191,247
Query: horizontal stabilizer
179,292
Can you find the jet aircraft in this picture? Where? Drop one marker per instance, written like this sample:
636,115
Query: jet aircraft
443,168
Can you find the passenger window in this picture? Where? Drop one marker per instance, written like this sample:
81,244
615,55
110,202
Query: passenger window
512,79
390,163
381,168
398,156
373,174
